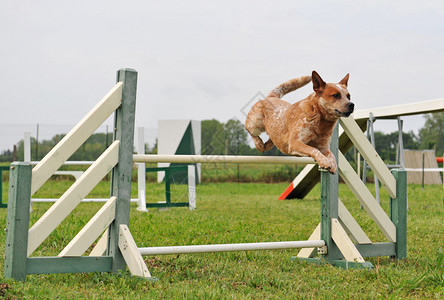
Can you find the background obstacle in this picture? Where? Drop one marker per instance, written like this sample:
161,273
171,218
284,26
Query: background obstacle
422,167
178,137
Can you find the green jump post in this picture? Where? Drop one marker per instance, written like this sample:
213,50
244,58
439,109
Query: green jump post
398,213
17,222
329,202
121,174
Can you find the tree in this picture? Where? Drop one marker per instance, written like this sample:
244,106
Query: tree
6,156
236,138
224,138
431,136
212,137
90,150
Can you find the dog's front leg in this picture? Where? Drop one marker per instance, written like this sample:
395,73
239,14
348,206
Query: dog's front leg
299,148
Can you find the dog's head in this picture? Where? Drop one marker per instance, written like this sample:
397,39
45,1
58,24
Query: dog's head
334,98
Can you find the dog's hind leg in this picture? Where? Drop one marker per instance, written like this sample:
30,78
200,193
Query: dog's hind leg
268,145
260,144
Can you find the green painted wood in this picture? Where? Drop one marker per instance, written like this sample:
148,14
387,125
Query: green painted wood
186,147
17,222
376,249
337,263
2,168
171,204
157,169
75,264
168,202
167,187
121,175
398,212
329,203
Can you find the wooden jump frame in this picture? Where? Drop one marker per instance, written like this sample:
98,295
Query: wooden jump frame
338,238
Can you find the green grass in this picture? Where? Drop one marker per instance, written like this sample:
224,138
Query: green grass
246,212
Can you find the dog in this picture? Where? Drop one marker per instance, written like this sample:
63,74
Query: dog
304,128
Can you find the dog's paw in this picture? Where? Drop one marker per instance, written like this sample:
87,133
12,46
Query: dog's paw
327,165
334,168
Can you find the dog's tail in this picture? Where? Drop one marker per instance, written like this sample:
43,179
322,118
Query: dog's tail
289,86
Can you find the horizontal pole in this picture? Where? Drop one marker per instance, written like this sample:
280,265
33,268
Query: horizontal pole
70,162
236,159
84,200
425,170
230,247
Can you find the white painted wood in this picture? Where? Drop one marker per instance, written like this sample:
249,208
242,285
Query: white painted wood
230,247
27,147
72,197
141,173
196,127
192,187
344,243
134,200
101,246
310,252
76,137
131,253
169,136
92,230
366,149
70,162
366,198
237,159
351,226
408,109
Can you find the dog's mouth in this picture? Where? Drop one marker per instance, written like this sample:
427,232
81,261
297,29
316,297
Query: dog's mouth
344,113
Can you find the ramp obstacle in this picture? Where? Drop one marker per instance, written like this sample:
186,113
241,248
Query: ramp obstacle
338,238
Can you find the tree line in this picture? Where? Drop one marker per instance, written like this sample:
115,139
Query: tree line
231,138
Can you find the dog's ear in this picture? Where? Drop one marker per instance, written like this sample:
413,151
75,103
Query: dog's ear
318,83
344,80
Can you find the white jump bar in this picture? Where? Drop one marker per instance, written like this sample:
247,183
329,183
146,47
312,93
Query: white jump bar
425,170
84,200
237,159
70,162
230,247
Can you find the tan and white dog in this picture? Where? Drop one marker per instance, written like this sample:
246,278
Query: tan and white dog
303,128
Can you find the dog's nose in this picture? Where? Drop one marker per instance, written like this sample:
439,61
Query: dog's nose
351,105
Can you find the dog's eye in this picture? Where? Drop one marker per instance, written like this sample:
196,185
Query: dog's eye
337,96
348,96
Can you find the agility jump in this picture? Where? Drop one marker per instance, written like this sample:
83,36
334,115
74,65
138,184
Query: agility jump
338,239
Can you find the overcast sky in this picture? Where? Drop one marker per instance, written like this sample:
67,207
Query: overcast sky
208,59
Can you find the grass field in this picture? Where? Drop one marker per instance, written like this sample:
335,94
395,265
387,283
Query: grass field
235,213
